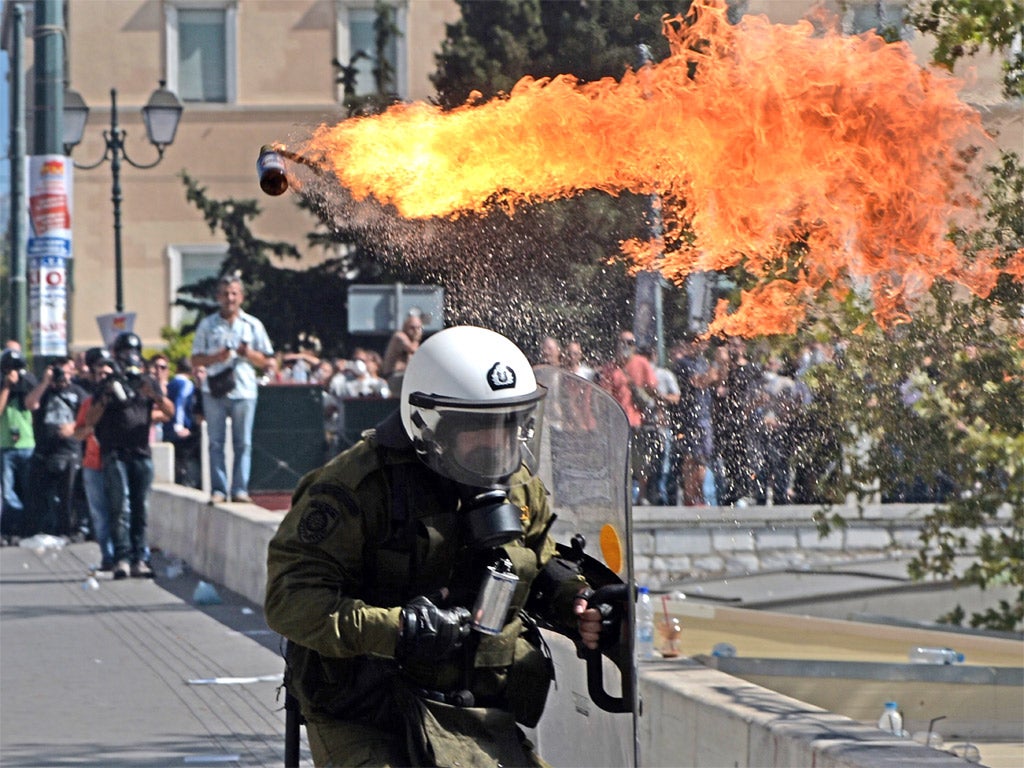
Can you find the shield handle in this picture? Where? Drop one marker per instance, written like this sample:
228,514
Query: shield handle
610,593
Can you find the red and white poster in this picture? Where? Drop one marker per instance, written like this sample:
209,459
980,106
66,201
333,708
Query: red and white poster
49,185
49,196
47,299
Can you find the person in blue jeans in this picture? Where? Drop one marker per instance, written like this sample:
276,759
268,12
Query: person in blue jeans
232,345
121,415
54,403
17,440
101,367
183,432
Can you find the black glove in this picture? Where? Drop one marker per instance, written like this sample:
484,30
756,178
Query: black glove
426,632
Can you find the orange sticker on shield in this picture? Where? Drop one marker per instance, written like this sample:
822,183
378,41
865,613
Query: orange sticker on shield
611,547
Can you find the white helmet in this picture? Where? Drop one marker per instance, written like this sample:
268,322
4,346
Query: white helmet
472,407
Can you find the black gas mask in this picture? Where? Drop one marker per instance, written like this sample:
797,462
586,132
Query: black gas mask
124,382
492,519
131,365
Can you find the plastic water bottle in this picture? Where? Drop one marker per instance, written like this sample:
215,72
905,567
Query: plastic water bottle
891,720
205,594
924,655
724,650
644,625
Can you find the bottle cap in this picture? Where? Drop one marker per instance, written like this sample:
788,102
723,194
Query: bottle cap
891,705
644,590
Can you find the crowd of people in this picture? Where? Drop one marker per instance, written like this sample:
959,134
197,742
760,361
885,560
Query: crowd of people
361,375
76,459
721,422
718,424
75,444
75,448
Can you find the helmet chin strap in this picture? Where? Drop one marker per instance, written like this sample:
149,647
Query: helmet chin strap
493,520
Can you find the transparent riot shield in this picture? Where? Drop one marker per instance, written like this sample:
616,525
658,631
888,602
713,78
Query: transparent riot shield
591,716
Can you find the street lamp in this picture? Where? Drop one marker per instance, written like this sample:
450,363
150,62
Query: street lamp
161,115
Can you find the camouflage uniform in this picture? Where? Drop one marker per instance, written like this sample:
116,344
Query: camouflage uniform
366,533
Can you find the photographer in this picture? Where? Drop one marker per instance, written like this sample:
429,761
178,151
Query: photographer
17,441
101,366
54,402
121,415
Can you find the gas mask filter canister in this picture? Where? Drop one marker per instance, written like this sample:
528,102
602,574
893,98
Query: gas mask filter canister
493,521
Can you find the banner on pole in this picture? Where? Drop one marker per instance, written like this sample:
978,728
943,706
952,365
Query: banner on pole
49,196
47,300
114,324
49,185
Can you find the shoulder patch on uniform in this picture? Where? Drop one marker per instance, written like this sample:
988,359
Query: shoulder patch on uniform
338,493
317,522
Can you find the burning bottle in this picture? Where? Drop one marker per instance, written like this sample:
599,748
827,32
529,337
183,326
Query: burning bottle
270,169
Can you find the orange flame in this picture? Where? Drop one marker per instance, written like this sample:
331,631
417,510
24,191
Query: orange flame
754,136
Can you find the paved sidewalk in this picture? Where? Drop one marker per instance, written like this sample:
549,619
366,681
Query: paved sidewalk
109,676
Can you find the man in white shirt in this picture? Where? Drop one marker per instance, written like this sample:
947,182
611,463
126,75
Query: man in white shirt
232,345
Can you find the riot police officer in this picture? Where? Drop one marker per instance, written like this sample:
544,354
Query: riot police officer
411,568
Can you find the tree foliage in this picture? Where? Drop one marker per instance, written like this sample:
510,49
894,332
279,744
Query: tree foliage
288,301
497,42
930,411
962,28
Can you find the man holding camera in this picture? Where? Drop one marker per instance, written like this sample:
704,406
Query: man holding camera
121,415
17,440
54,402
232,345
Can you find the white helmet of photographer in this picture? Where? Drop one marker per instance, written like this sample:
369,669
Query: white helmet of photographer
472,406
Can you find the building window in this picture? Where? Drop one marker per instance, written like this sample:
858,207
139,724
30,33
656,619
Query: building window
188,265
201,50
878,16
355,20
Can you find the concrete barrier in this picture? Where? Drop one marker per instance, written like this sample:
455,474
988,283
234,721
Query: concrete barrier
696,716
226,543
693,715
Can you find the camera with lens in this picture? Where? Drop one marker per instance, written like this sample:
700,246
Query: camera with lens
125,381
57,374
355,369
128,367
11,360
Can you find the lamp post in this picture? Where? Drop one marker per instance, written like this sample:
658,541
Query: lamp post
161,115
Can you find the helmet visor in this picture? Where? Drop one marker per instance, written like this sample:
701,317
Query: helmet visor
478,445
